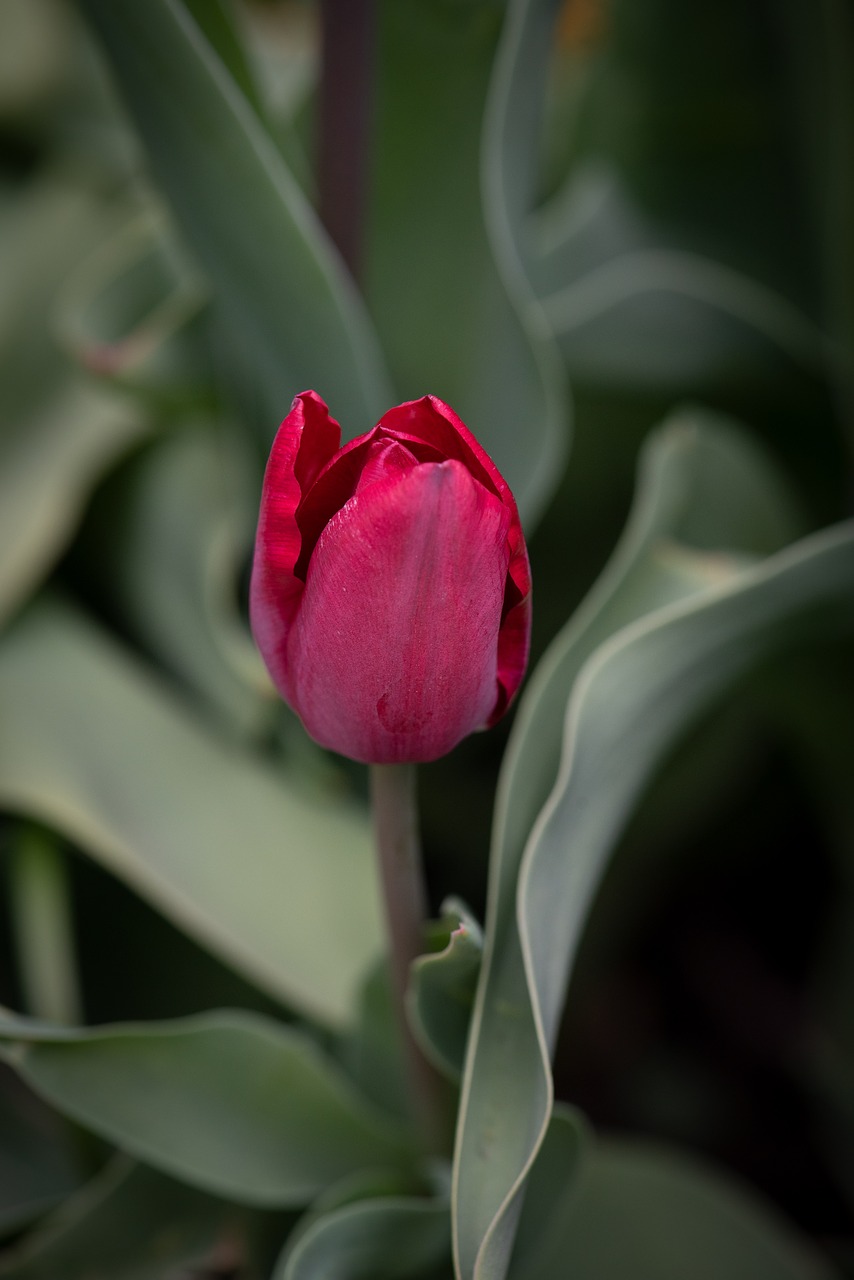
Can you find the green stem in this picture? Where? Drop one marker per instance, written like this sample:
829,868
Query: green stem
42,924
396,828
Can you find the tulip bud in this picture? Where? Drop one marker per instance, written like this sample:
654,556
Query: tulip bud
390,593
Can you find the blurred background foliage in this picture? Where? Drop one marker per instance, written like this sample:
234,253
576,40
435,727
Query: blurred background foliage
654,210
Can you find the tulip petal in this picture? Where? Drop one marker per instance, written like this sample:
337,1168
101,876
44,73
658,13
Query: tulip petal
514,640
432,422
304,443
429,421
392,656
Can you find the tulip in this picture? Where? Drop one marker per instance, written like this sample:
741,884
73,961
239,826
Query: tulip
390,594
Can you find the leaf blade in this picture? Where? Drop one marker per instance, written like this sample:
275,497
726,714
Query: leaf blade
215,839
290,305
531,940
230,1102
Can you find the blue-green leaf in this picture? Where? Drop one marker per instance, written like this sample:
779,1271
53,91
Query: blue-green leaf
290,307
128,1223
671,625
392,1238
230,1102
277,881
442,986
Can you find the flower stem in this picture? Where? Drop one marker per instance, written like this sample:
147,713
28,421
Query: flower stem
41,913
346,82
396,828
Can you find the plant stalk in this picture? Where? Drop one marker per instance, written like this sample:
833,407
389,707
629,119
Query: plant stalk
43,929
393,800
348,41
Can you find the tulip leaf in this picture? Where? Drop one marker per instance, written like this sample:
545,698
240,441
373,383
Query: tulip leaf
630,309
275,881
391,1238
131,312
641,1211
442,986
37,1164
170,544
230,1102
371,1047
510,177
58,433
552,1190
217,22
291,310
128,1223
683,611
649,280
48,465
457,328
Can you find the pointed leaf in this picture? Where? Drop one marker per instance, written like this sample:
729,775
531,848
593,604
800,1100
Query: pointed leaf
37,1164
128,1223
58,433
230,1102
276,882
170,545
703,620
458,327
290,307
442,987
654,1215
386,1239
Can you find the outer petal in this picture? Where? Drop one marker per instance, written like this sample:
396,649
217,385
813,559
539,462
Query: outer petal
304,443
514,641
393,654
432,422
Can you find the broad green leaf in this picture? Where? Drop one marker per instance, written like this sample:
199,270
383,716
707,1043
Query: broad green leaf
230,1102
217,21
170,543
630,309
31,54
37,1164
368,1184
50,459
128,1223
291,310
131,310
275,881
442,986
58,433
392,1238
670,626
509,177
652,278
643,1212
694,458
371,1047
451,315
552,1191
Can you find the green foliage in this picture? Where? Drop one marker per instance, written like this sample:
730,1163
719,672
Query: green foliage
287,304
229,1102
651,204
203,829
128,1223
635,1209
671,624
443,986
390,1238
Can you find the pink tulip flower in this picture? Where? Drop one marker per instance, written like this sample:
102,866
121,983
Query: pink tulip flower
391,591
